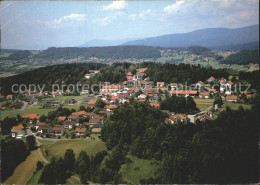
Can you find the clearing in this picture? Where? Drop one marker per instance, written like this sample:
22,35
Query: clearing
202,104
139,169
24,171
59,148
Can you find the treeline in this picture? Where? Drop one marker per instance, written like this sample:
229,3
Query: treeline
253,78
13,152
56,74
114,52
198,50
179,104
182,73
224,150
242,57
18,55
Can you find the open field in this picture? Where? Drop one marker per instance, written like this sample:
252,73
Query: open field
59,148
36,109
63,98
35,178
235,106
139,169
202,104
24,171
42,141
72,180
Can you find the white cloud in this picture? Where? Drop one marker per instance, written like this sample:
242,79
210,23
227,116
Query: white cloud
67,20
141,15
115,5
105,20
174,8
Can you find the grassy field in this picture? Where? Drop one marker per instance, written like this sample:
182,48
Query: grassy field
24,171
202,104
42,141
59,148
235,106
140,169
36,109
63,98
35,178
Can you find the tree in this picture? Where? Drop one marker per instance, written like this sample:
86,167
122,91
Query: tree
218,101
39,165
100,103
82,166
30,142
69,159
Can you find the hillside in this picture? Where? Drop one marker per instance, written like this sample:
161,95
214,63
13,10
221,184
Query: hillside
114,52
242,57
102,43
211,38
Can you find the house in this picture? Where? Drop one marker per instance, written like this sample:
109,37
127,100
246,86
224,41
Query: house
18,131
204,95
68,124
96,122
84,92
110,108
199,84
31,117
80,131
58,131
160,84
232,98
185,93
74,118
44,129
142,70
102,113
112,88
211,79
62,118
87,76
9,97
212,90
129,74
155,105
141,96
92,103
203,117
173,86
39,124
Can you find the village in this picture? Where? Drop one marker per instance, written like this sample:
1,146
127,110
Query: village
90,119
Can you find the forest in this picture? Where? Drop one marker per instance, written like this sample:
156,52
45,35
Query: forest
116,73
224,150
242,57
114,52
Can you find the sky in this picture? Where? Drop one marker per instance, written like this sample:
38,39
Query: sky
37,25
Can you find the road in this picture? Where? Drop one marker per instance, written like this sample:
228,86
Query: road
192,117
24,105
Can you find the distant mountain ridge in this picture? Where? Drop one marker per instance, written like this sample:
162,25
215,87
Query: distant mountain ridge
213,38
102,43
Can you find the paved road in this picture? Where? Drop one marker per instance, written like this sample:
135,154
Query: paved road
192,117
24,106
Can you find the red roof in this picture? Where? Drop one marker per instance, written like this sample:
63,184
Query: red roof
164,88
81,130
129,74
18,127
160,83
57,128
142,70
129,78
92,102
111,106
87,74
231,83
231,97
62,118
80,113
184,92
181,116
112,87
157,105
212,90
114,97
204,93
9,96
30,116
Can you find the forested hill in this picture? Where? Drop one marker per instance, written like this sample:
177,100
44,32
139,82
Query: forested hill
116,73
114,52
242,57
